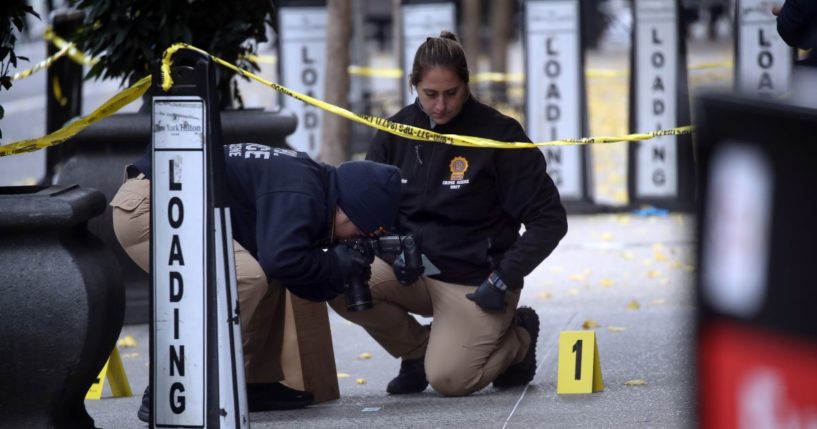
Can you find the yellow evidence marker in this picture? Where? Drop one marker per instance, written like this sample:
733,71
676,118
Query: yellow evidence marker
119,380
579,367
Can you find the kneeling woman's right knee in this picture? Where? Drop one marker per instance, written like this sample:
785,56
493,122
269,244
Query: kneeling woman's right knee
452,382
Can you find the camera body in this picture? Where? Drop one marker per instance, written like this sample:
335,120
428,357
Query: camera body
388,248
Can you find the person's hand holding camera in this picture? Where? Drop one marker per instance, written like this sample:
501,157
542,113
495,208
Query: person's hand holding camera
490,295
408,267
405,273
347,264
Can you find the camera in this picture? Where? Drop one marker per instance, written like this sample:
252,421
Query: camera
388,248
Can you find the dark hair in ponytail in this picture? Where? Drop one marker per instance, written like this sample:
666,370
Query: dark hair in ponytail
443,51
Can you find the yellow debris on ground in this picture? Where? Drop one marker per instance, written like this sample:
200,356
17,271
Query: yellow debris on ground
590,324
544,295
127,342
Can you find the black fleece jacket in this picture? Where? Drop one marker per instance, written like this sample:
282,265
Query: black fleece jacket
282,207
467,204
797,26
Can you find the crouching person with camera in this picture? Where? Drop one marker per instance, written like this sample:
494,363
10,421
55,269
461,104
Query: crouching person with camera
465,207
286,211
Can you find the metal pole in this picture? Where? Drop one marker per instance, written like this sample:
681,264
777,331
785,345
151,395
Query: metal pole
63,88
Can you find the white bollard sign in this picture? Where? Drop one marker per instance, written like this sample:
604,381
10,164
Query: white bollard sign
763,61
656,96
419,21
178,264
302,54
554,99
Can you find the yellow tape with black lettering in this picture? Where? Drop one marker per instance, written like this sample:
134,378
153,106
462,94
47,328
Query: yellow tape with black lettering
73,53
44,64
375,72
717,65
393,73
403,130
498,77
622,73
125,97
56,90
353,69
111,106
262,59
516,77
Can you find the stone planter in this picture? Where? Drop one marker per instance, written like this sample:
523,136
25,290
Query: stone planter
62,305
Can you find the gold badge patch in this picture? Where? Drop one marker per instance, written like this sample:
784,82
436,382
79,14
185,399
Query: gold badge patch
458,166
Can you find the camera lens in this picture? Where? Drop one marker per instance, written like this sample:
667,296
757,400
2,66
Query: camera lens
358,296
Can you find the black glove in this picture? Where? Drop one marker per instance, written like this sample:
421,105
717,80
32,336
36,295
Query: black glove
490,295
346,264
406,275
408,267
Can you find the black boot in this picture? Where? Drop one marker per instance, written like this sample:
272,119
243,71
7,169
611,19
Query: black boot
276,396
411,379
144,409
520,374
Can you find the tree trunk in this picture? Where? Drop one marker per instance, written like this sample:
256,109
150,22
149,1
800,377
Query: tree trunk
334,129
471,32
500,23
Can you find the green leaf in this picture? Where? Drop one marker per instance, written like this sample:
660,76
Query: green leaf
132,34
120,37
30,10
18,22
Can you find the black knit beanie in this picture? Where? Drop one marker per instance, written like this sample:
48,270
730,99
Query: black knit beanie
369,193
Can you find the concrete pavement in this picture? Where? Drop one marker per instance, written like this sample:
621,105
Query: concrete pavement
631,275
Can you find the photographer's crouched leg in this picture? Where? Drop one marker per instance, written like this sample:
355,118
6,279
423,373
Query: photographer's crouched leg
390,323
466,348
261,305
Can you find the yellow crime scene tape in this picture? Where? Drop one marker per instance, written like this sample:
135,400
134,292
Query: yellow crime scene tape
392,73
44,64
395,73
108,108
375,72
128,95
64,48
73,53
403,130
497,77
262,59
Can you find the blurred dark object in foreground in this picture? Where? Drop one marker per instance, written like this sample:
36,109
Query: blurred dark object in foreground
757,328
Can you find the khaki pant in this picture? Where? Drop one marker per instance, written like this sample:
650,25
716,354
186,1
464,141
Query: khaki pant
466,349
261,303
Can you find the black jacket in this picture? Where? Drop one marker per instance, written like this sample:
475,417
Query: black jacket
460,201
797,26
282,206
